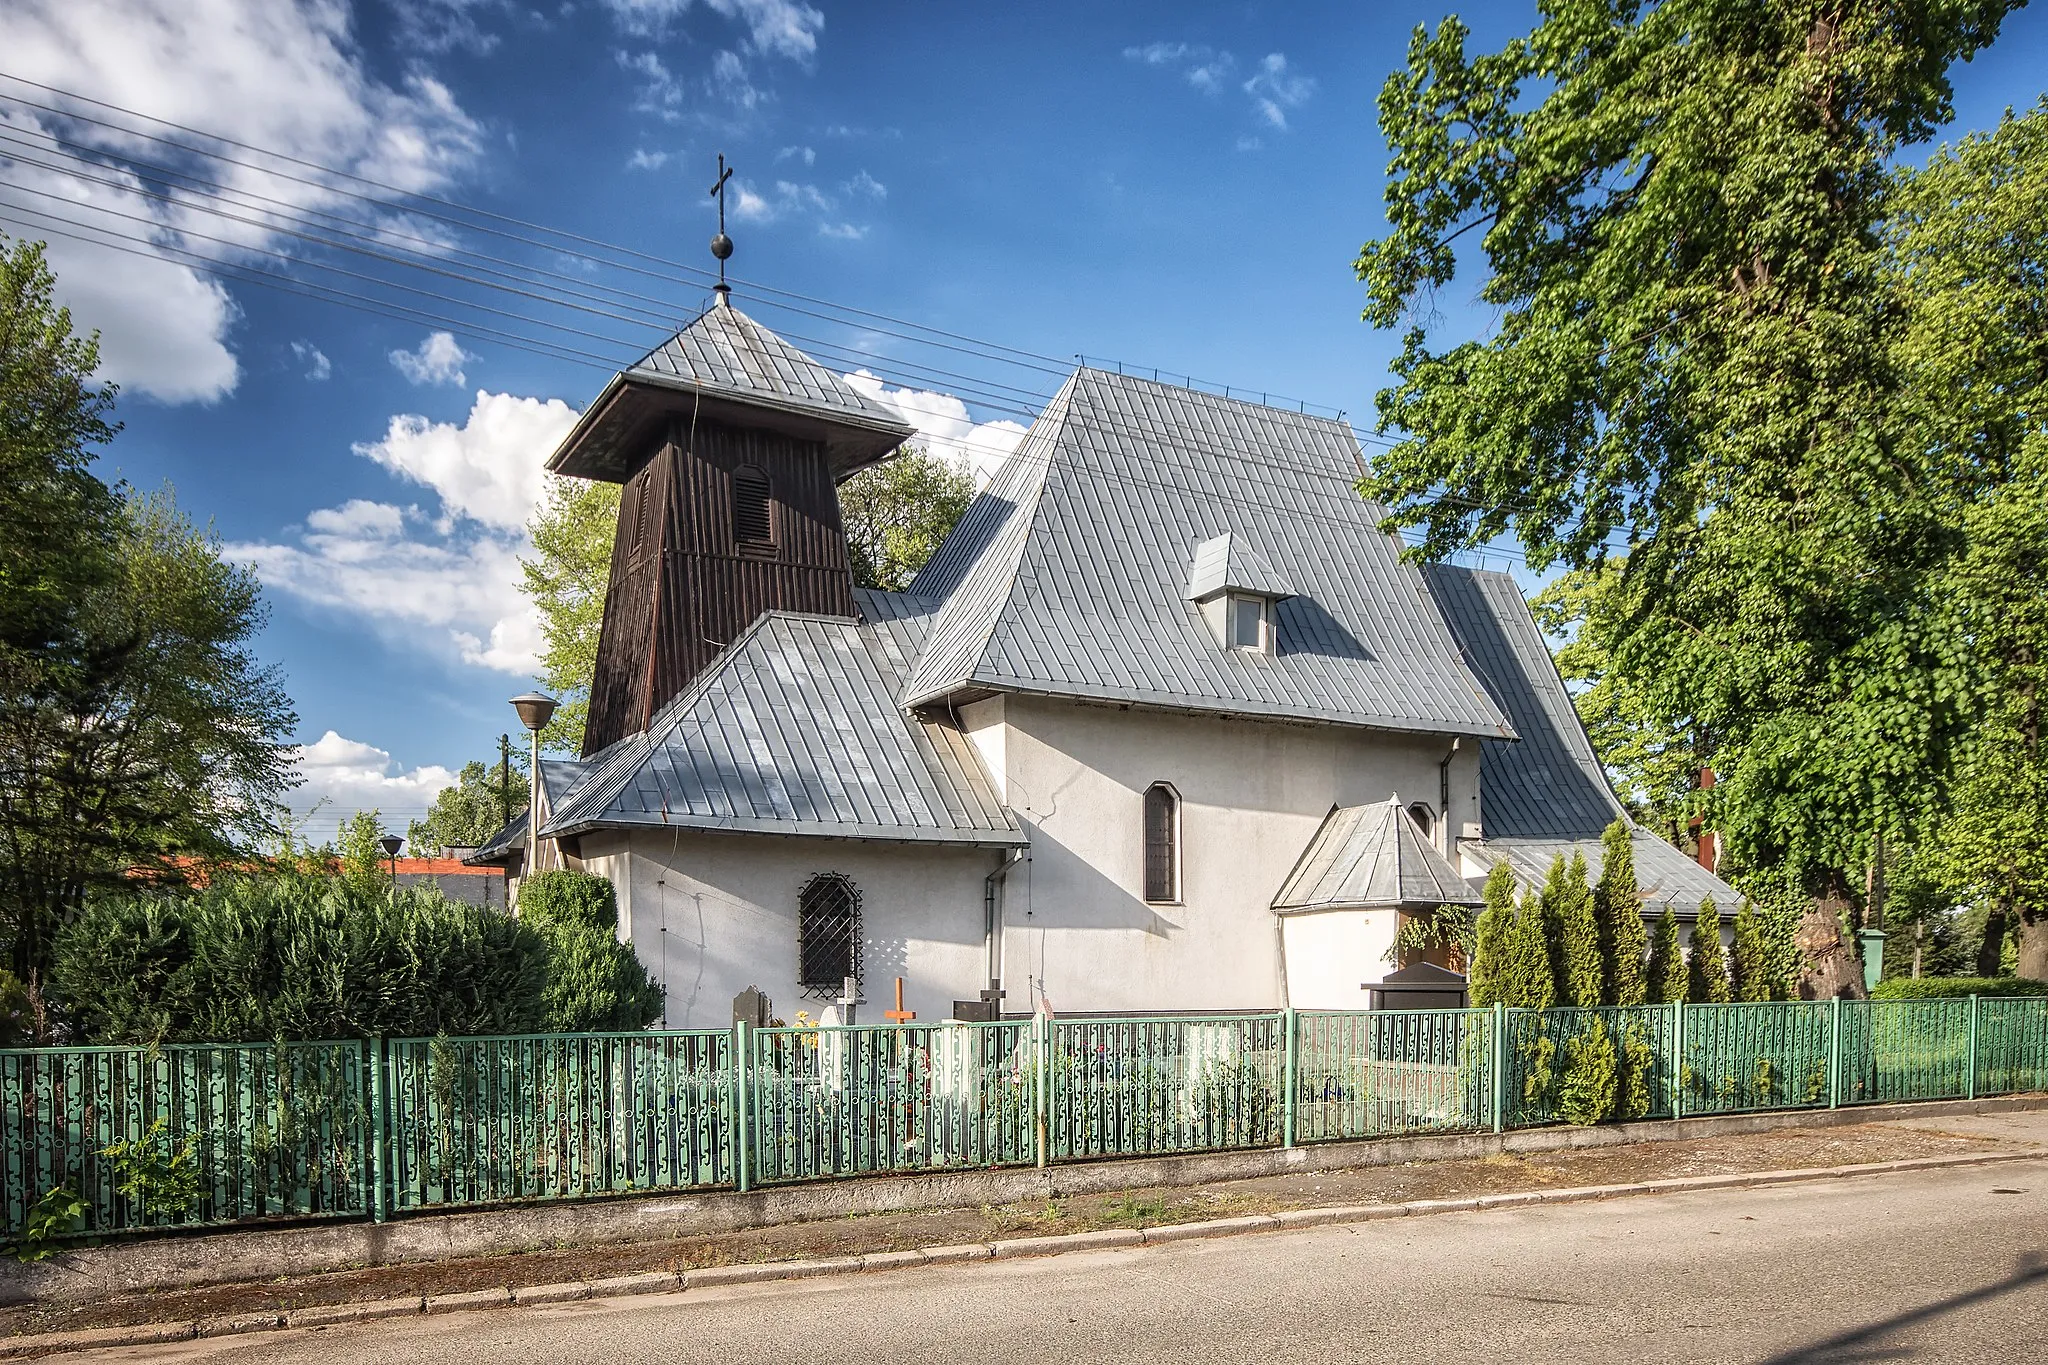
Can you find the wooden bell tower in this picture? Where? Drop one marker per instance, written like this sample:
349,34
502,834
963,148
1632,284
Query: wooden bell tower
730,444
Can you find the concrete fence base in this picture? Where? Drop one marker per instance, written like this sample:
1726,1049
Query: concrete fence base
180,1260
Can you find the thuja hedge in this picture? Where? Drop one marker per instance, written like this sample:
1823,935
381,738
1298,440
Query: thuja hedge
298,956
1950,987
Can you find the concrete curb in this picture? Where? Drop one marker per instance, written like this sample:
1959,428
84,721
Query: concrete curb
661,1282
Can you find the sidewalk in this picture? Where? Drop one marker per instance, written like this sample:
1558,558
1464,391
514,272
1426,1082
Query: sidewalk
838,1243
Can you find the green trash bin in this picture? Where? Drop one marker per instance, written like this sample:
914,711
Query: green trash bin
1872,943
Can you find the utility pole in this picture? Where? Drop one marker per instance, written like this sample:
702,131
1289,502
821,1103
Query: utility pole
504,780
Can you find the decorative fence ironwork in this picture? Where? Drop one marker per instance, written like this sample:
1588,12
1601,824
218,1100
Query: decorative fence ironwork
219,1133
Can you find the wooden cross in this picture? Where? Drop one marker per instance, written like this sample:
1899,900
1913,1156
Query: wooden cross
899,1014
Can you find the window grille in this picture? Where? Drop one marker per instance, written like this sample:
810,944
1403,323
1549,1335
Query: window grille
1162,843
827,934
753,521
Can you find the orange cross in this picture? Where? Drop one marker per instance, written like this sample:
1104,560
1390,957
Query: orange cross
899,1014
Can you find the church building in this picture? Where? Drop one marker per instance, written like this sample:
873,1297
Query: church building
1167,724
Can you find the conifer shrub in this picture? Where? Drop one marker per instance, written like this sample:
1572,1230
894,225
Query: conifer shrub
1531,986
1756,976
1590,1090
1667,970
1951,987
1580,982
1707,978
296,956
1618,906
596,984
1486,980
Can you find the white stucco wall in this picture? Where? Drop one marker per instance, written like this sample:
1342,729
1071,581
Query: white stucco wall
1331,954
1253,793
712,914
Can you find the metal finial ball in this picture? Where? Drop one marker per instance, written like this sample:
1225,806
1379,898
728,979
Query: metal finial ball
721,246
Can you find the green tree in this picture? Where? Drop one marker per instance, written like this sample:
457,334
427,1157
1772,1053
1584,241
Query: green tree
565,578
898,512
1707,975
1618,905
595,982
1487,981
1668,978
1674,216
147,743
359,853
1754,975
1654,761
471,811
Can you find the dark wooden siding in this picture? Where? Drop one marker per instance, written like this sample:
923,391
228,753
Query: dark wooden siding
668,613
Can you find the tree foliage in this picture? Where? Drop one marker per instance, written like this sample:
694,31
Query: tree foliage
1530,983
1754,972
1568,906
1676,213
471,811
572,532
898,512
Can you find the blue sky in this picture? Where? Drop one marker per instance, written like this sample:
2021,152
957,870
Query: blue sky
1180,186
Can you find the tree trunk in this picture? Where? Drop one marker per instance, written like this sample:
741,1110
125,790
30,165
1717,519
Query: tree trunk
1829,964
1991,952
2034,945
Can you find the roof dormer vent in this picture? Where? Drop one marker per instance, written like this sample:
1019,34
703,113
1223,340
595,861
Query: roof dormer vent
1236,590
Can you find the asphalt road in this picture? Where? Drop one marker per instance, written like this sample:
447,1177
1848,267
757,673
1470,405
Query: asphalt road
1947,1266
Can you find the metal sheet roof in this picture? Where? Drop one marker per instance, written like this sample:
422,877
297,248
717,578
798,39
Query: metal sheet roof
1226,563
1366,856
1546,795
724,366
795,730
1066,576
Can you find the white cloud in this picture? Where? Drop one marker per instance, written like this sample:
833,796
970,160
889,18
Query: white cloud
865,184
318,366
443,25
842,232
808,155
776,28
943,424
728,81
1275,89
644,160
444,578
438,360
281,74
659,92
350,776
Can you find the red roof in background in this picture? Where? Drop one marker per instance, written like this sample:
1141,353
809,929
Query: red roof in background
444,867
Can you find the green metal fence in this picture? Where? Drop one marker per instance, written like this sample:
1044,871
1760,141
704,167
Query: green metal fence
216,1133
238,1131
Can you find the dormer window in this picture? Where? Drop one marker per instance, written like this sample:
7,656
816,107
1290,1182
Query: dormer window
1235,590
1249,628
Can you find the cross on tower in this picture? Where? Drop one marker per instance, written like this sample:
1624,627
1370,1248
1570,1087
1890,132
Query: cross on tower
721,245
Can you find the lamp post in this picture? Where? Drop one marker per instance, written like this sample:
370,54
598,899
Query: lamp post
535,711
391,843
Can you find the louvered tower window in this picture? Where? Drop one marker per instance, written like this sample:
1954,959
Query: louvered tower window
753,520
1162,844
827,934
637,491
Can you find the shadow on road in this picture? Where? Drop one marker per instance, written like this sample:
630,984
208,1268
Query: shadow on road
1869,1343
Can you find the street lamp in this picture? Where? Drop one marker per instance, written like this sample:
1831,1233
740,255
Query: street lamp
535,711
391,844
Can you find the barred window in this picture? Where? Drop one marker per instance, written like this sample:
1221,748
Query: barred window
753,519
827,934
1162,843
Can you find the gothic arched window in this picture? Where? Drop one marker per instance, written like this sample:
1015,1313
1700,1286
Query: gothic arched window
1162,843
827,934
1424,818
